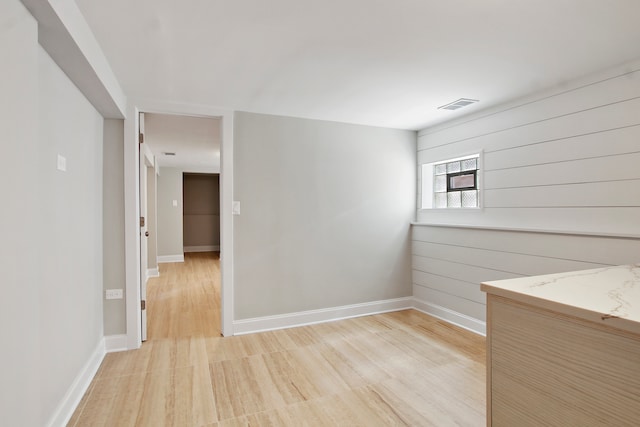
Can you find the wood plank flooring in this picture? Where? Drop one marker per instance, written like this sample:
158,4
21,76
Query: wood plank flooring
185,300
394,369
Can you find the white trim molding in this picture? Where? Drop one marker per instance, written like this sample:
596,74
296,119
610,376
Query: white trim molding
78,388
301,318
214,248
132,209
170,258
450,316
153,272
114,343
529,230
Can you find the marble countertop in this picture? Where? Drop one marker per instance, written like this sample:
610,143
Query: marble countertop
608,295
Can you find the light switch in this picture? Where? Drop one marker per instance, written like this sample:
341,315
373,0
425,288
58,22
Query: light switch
113,294
236,208
62,163
175,203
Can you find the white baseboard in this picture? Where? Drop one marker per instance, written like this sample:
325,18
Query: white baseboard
215,248
448,315
153,272
78,388
301,318
170,258
113,343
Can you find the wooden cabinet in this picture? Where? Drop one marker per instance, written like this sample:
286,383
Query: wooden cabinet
551,363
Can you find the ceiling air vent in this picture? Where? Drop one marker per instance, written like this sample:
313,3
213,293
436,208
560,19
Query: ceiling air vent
168,153
462,102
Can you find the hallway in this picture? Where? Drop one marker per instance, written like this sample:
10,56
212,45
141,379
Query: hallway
185,300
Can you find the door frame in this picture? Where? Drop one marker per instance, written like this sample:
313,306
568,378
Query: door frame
146,162
132,209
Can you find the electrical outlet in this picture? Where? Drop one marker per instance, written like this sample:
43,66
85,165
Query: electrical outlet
113,294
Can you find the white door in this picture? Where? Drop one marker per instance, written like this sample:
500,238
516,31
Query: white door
143,229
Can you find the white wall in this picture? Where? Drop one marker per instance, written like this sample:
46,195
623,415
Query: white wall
113,226
563,161
70,241
19,256
51,311
169,217
325,214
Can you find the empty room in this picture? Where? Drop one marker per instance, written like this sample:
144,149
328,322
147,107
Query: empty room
337,213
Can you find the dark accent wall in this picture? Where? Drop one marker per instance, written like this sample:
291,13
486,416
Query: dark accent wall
201,198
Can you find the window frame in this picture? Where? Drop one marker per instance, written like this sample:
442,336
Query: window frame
426,180
473,172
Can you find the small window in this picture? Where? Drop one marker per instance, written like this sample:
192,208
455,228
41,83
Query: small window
453,183
462,181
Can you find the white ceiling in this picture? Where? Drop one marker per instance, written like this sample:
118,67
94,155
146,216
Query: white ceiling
376,62
194,140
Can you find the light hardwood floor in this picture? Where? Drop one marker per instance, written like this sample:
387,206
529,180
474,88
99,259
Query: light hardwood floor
185,300
402,368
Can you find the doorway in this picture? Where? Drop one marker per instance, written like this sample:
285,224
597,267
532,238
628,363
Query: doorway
162,130
201,212
200,290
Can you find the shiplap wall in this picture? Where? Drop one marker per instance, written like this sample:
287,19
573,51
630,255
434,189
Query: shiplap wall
565,162
449,263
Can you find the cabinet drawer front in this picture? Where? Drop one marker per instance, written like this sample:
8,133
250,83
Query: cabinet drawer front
549,369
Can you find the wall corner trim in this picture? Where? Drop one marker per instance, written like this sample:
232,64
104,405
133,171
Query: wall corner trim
309,317
170,258
153,272
78,388
451,316
114,343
